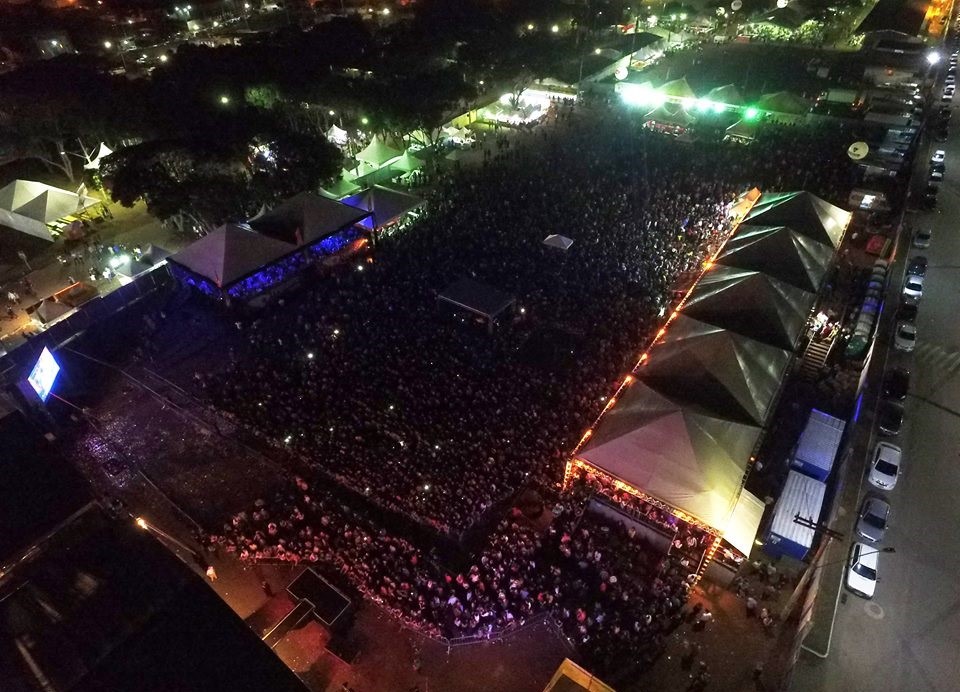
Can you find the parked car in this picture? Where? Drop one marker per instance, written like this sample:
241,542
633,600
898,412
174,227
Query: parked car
921,239
906,337
913,289
929,198
885,466
896,384
938,156
907,312
873,518
862,570
917,266
936,176
890,418
937,168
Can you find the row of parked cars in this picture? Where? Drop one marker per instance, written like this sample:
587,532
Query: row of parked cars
887,459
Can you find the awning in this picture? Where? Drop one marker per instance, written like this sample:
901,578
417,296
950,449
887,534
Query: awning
744,523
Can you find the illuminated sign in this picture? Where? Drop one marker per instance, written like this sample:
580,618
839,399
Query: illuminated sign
44,374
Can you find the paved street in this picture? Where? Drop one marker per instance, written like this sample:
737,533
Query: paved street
908,636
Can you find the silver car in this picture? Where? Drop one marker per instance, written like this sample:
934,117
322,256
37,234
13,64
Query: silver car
873,518
913,289
885,466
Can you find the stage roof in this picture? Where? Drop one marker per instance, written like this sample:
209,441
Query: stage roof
752,304
306,218
779,252
229,253
803,212
741,530
715,371
477,297
104,606
690,460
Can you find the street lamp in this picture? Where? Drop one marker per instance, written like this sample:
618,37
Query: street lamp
224,100
933,57
555,28
364,120
108,45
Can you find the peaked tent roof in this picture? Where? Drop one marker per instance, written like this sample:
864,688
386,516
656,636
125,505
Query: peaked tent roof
780,252
18,193
340,189
384,204
24,225
306,218
678,89
54,203
229,253
670,114
689,459
728,93
784,102
716,372
103,151
377,153
407,163
751,304
743,130
561,242
803,212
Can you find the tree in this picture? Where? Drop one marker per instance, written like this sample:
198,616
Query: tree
181,182
288,163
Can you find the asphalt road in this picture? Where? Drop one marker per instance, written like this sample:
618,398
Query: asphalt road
908,636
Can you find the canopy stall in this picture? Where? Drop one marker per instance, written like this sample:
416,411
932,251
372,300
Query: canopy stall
784,102
742,131
560,242
727,94
677,90
377,153
478,299
340,189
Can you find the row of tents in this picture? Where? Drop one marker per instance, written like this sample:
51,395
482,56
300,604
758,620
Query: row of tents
232,253
683,431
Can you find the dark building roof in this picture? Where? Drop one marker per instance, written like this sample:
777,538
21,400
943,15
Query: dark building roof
306,218
39,489
103,607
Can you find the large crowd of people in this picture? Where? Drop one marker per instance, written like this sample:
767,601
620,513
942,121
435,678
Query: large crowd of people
371,382
614,595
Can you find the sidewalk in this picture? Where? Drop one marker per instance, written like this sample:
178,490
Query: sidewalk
731,645
133,226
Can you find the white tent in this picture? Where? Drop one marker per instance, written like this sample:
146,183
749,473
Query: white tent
28,206
102,152
377,153
407,163
561,242
337,136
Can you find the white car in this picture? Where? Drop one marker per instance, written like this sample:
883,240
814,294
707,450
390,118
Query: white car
921,239
913,289
906,337
862,570
885,466
938,156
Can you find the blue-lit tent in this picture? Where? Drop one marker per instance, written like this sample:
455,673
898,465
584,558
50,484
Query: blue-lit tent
233,261
386,206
